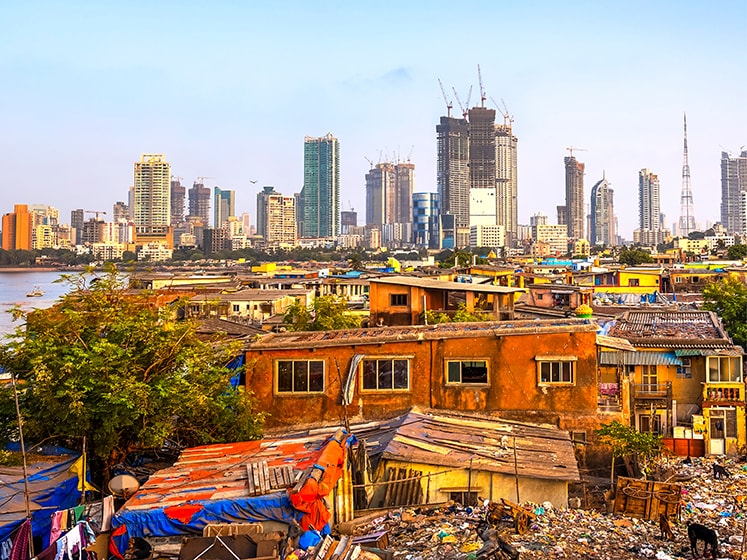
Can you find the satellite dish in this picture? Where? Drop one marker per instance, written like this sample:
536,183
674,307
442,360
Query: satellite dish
123,485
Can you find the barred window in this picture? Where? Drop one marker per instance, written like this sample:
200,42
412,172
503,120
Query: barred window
467,371
300,376
556,371
386,374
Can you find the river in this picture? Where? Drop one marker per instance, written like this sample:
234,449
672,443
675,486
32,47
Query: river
14,285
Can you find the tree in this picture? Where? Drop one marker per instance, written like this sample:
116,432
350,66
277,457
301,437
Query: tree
728,299
736,252
633,257
119,371
328,313
626,441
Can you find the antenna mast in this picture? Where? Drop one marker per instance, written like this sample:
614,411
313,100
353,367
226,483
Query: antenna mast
687,207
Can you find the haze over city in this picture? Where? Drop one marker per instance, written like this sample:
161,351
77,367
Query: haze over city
228,90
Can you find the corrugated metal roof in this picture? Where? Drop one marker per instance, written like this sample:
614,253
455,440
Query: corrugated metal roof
639,359
614,343
669,325
731,351
445,285
454,440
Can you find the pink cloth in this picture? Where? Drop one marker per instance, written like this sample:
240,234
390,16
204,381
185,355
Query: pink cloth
58,517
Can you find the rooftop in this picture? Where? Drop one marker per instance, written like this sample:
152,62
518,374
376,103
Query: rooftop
670,328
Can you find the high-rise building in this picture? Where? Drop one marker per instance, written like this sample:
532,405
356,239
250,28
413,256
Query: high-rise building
348,219
276,217
602,230
320,195
178,196
425,211
224,205
389,189
649,204
152,210
481,148
506,179
121,212
733,184
687,207
77,217
452,169
199,202
17,229
574,197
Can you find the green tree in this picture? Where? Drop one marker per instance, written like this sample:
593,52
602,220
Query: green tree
736,252
117,370
328,313
625,441
633,257
728,299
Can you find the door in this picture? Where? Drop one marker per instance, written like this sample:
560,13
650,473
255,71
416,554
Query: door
716,433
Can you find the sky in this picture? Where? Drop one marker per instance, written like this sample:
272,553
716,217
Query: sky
228,89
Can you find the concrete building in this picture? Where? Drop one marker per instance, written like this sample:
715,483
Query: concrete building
487,236
733,185
482,207
77,217
481,148
348,219
178,197
152,209
602,230
276,217
121,212
17,229
555,236
574,197
389,188
199,202
650,230
319,200
224,206
452,168
425,211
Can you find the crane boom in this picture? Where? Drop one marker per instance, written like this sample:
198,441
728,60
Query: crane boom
482,90
448,102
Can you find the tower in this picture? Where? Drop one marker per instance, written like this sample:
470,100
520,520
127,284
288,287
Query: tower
389,188
199,201
152,193
733,184
687,208
224,205
506,178
452,168
574,197
602,230
276,217
319,200
178,194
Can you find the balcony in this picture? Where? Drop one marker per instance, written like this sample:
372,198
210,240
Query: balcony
653,392
721,393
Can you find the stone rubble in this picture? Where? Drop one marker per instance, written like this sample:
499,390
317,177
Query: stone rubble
451,531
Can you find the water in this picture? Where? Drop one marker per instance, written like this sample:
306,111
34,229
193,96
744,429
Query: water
13,289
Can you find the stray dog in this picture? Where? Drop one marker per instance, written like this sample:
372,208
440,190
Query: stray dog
665,528
495,546
720,472
137,549
697,532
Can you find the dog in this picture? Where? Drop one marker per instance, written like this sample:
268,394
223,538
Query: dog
720,472
664,528
137,549
697,532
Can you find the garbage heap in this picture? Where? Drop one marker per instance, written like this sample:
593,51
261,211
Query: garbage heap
453,531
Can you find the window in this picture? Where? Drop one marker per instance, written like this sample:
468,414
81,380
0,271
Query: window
678,279
236,308
464,498
650,423
726,369
723,423
649,378
300,376
556,371
398,299
578,437
633,282
468,371
685,370
386,374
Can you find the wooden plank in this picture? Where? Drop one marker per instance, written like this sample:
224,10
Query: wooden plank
266,476
250,480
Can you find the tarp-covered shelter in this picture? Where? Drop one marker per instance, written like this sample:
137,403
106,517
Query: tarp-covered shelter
53,484
275,479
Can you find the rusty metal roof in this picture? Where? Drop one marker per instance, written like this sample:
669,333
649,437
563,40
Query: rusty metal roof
663,327
376,335
217,472
448,439
427,283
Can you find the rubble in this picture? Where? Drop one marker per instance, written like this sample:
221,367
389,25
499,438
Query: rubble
453,531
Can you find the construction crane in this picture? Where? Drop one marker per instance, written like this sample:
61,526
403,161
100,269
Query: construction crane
202,180
464,108
448,102
508,119
96,212
482,90
370,162
571,148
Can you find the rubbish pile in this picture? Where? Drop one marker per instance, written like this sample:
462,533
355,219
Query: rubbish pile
454,531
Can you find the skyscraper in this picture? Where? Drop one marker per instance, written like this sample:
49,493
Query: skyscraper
733,183
178,196
389,189
574,197
199,202
77,217
320,195
152,190
17,229
506,179
452,168
687,207
224,205
651,229
425,210
602,231
276,217
481,148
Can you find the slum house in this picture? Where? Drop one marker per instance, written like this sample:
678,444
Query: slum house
248,305
625,280
272,482
679,280
685,378
404,300
561,297
536,371
437,456
181,281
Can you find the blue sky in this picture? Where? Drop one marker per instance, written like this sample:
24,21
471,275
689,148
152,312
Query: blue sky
228,90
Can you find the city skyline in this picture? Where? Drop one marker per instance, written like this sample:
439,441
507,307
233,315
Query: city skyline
219,105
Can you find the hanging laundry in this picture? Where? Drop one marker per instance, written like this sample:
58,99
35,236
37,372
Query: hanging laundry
22,542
